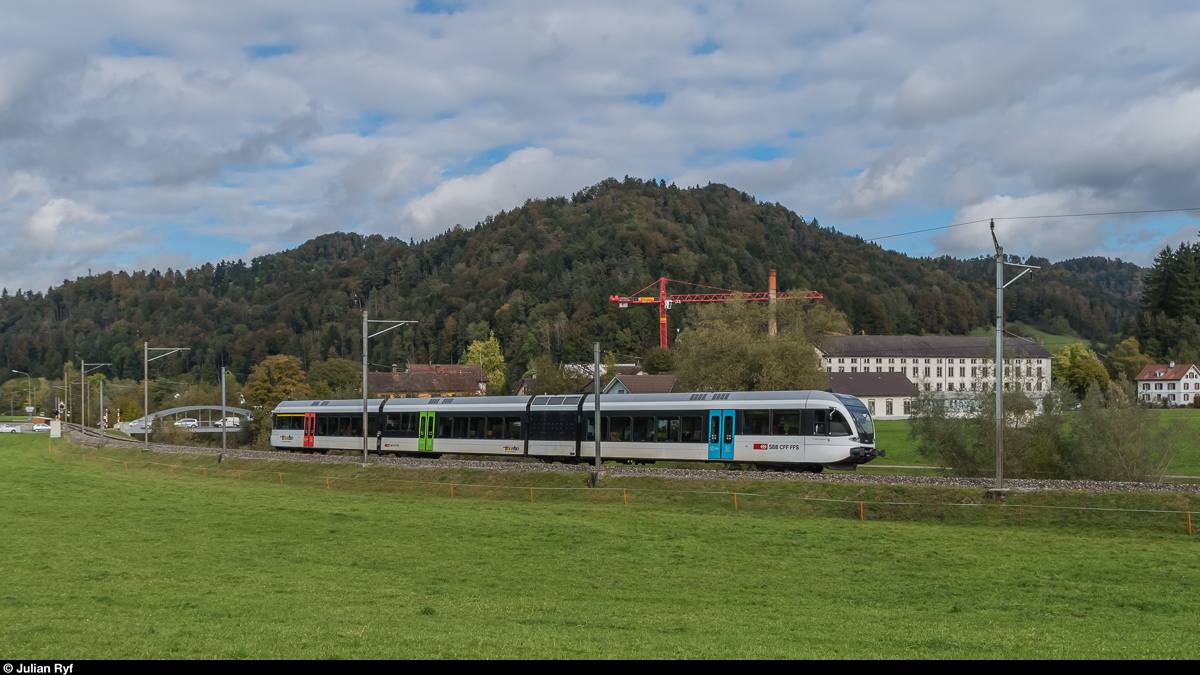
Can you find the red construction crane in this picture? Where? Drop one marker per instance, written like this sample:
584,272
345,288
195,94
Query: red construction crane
664,301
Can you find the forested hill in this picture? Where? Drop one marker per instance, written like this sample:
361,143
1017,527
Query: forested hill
539,276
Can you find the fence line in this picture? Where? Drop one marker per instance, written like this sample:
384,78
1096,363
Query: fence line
624,492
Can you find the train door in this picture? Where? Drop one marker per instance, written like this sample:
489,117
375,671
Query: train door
714,434
727,420
425,431
720,433
310,428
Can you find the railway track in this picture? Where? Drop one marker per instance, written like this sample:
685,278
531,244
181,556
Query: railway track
94,437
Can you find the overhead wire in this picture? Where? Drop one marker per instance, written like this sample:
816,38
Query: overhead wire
1036,217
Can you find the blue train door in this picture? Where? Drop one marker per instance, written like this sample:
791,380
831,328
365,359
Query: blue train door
728,417
720,434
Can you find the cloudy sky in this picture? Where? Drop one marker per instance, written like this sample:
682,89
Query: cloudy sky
149,133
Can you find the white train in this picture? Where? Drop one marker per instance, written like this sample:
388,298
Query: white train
808,430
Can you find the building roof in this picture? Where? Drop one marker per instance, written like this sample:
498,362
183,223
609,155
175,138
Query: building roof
1164,371
871,384
662,383
421,378
926,345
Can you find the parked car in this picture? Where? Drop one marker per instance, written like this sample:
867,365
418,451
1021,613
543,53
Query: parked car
7,429
230,422
188,422
136,426
41,427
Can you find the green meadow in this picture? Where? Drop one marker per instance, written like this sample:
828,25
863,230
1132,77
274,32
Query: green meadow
175,556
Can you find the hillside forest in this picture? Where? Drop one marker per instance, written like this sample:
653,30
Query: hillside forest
538,278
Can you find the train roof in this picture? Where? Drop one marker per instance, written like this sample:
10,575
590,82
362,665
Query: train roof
683,400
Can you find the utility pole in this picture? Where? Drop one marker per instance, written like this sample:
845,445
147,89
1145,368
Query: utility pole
146,349
1000,286
366,324
83,389
596,380
223,417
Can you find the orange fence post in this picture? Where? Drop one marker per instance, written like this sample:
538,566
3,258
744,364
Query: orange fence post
625,496
239,475
327,482
860,511
452,491
735,501
531,494
172,469
126,465
281,478
206,473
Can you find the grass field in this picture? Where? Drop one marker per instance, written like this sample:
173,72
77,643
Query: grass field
99,561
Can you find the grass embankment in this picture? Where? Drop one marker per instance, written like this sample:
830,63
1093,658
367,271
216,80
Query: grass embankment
105,562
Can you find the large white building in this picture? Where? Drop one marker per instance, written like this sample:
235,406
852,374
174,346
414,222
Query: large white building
938,363
1176,384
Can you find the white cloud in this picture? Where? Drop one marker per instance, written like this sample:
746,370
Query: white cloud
147,123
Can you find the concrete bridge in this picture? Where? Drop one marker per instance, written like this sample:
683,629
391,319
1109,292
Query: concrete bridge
206,415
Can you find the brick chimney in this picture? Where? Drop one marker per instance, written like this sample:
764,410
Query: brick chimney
395,372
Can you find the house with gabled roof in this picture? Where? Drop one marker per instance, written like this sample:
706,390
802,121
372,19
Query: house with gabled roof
1172,383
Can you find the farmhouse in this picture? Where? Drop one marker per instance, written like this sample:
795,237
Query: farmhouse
1175,384
418,380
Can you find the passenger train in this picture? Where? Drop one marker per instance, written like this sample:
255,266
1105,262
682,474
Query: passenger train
806,430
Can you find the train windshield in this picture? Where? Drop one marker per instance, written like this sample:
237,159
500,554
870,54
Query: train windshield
862,417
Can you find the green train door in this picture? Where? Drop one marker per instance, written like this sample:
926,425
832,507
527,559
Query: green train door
425,431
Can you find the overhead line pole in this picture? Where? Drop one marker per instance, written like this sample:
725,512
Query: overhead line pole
1000,286
84,389
146,349
366,324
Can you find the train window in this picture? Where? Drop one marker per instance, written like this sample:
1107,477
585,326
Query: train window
557,400
460,426
478,427
320,430
355,427
445,426
729,428
371,424
571,400
667,430
589,434
495,427
692,429
756,422
714,431
838,426
391,423
819,422
541,400
643,428
512,427
617,428
785,422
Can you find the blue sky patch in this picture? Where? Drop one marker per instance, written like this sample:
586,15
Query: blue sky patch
707,47
759,152
435,7
482,161
256,52
652,98
368,123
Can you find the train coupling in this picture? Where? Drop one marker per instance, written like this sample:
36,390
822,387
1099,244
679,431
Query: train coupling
863,455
